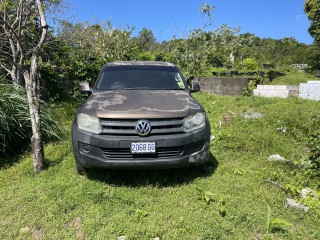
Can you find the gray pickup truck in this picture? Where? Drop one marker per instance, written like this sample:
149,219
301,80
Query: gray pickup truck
140,115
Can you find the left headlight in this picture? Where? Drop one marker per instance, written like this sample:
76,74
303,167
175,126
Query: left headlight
194,122
88,123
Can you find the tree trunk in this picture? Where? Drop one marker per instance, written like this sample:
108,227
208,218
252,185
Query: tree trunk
232,58
17,75
32,88
20,79
13,74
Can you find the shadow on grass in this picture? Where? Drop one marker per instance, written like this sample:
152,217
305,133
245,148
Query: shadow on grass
278,230
10,161
160,178
6,162
49,163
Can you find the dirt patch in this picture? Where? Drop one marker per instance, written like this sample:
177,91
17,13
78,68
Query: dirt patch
37,234
78,226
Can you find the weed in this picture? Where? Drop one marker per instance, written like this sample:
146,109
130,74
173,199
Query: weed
276,223
205,195
239,172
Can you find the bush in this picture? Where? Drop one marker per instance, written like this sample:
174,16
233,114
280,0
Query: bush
250,64
15,128
146,56
314,140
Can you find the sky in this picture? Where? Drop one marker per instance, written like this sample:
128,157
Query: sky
275,19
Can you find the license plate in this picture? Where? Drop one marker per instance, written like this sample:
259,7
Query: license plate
143,147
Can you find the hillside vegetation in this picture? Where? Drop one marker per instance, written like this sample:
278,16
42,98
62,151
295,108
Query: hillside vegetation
294,78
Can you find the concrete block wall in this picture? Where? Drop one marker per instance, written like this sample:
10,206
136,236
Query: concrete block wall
310,90
281,91
232,86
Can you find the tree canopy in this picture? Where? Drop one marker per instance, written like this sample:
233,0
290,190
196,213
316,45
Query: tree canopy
312,9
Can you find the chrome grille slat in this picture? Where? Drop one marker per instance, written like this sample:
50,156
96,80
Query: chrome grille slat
166,130
116,124
124,153
167,123
119,132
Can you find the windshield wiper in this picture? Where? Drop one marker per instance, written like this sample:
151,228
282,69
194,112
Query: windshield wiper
138,88
148,88
171,89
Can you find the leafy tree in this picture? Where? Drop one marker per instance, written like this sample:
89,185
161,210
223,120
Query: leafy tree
146,40
83,48
207,16
312,9
19,30
228,40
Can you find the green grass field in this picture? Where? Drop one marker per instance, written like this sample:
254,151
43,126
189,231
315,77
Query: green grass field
294,78
226,199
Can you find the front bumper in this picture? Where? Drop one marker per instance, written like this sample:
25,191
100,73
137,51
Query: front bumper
113,152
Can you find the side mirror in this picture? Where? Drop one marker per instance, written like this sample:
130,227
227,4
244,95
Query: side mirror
189,79
195,87
84,87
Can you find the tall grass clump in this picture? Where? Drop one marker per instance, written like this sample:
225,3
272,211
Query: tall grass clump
15,127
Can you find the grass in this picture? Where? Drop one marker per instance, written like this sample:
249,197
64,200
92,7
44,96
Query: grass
232,202
294,78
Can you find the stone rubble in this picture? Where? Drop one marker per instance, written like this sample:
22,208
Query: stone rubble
308,192
294,204
252,115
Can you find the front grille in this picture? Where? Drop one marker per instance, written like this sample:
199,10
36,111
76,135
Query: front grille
124,153
126,127
161,153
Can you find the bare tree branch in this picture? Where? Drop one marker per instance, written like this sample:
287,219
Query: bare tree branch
6,68
43,23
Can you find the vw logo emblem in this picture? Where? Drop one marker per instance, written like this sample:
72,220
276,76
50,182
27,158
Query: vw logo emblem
143,128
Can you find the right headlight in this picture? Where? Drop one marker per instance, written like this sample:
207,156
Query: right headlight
88,123
194,122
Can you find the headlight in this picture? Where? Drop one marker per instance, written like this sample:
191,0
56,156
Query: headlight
88,123
194,122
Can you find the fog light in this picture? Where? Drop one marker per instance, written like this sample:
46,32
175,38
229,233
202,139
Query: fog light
86,148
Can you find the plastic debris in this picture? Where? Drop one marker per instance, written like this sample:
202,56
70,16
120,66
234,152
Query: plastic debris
276,157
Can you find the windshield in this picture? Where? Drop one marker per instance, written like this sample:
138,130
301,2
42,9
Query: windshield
140,77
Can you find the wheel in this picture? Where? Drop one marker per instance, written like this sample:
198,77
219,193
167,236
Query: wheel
80,169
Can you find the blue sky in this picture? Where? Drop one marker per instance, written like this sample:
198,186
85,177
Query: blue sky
268,18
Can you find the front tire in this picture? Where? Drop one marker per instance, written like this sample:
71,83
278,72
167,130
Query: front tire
80,169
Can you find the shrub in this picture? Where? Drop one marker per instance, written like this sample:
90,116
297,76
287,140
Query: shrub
15,128
146,56
314,140
171,57
249,64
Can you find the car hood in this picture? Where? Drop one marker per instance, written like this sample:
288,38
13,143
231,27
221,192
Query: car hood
141,104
